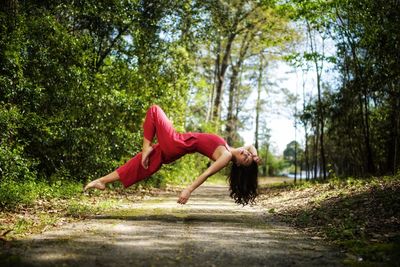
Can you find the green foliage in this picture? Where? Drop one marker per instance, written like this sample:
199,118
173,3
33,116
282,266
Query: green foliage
61,189
271,165
293,152
14,164
361,112
79,210
13,193
360,215
220,178
76,81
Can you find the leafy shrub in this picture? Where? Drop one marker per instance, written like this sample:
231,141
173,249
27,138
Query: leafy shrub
14,164
68,116
13,193
77,209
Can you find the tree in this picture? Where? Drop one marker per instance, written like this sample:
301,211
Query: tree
266,29
73,88
292,153
357,138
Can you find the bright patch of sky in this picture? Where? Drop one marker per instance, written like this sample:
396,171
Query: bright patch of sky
284,79
278,115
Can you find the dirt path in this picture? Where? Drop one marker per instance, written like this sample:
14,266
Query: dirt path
208,231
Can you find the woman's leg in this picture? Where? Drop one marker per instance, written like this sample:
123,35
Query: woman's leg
156,123
101,182
150,160
133,171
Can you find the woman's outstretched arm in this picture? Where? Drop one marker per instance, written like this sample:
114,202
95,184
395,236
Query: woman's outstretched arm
220,163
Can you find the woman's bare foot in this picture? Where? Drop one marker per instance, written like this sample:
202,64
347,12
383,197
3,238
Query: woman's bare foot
95,184
145,156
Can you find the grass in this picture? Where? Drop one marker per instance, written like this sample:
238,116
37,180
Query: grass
32,207
17,193
362,216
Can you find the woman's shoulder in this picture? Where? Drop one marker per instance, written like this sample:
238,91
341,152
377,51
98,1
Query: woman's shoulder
223,151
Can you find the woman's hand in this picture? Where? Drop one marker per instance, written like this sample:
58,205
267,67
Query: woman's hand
256,159
253,152
145,156
183,198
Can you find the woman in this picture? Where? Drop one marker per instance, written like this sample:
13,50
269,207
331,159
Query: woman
173,145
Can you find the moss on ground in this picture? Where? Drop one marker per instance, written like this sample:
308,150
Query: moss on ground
47,212
362,216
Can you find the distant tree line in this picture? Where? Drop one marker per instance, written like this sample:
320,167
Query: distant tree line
352,127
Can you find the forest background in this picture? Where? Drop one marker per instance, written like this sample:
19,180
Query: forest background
76,78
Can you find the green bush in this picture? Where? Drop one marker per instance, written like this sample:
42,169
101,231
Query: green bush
72,101
13,193
59,189
14,164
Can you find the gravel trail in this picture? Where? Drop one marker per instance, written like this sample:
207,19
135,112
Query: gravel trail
208,231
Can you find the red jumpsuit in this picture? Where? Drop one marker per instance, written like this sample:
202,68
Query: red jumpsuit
171,146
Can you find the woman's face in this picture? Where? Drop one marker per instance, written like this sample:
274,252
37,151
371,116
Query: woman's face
244,157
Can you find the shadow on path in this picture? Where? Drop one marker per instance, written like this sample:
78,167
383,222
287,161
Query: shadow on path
209,231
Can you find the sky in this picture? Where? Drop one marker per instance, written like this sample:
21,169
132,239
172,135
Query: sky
278,117
282,76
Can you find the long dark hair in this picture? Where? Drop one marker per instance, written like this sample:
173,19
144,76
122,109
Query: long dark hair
243,182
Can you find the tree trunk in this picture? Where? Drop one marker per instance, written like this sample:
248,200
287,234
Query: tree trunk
9,21
232,31
230,118
295,159
392,144
221,76
233,89
322,124
364,109
306,157
316,162
215,79
258,101
370,161
266,171
320,111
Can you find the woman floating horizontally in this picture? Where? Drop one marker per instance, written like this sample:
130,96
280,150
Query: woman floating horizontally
173,145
